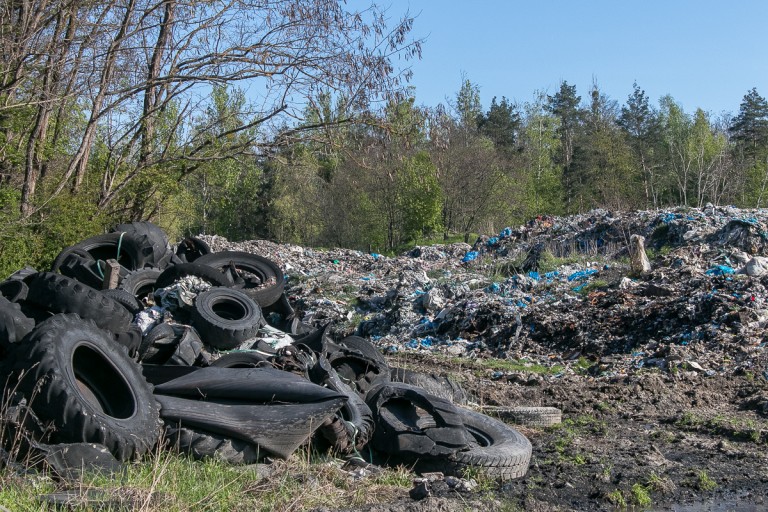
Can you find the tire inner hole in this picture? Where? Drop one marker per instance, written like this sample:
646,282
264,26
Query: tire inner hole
101,384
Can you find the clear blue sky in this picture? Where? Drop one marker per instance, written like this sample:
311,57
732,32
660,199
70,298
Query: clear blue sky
704,53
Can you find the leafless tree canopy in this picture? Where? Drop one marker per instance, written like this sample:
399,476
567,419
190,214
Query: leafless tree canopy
132,79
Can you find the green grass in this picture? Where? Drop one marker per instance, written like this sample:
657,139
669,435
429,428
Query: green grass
172,482
704,482
567,433
508,365
594,285
737,429
616,497
550,262
484,481
641,495
653,254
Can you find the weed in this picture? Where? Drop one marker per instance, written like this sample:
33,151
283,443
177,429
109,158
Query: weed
353,321
481,477
662,251
579,459
583,364
169,481
689,419
507,506
568,434
438,274
617,498
641,495
396,477
741,429
660,484
603,407
550,262
596,284
502,270
587,422
534,481
704,482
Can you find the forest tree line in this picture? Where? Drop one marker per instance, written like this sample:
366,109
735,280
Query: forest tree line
288,120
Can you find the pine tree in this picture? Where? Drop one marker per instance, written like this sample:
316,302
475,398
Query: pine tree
641,125
565,106
501,124
750,127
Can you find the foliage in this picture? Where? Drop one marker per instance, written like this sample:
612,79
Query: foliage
168,481
297,126
541,144
420,197
468,107
617,498
68,219
501,124
703,481
641,496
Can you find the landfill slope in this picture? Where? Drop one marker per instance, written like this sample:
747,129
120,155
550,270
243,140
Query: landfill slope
661,375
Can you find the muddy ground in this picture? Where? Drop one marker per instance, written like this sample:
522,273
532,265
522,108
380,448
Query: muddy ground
678,441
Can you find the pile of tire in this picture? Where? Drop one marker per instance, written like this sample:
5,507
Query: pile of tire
82,364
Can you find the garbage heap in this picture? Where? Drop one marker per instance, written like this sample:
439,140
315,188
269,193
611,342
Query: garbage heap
557,291
127,343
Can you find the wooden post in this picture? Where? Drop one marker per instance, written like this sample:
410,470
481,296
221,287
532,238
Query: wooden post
638,259
111,274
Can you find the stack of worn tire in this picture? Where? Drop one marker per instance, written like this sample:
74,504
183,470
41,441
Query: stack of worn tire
84,362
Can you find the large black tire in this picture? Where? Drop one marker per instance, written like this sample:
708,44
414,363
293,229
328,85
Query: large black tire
352,426
437,385
242,359
158,345
124,298
361,372
77,378
281,315
277,428
528,416
365,347
498,449
190,249
412,424
201,444
120,246
246,385
140,283
61,294
14,324
176,272
225,317
152,241
15,290
262,279
130,339
87,270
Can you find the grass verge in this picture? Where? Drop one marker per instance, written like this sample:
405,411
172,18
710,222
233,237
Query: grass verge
168,481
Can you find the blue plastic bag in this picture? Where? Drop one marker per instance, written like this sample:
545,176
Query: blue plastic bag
720,270
581,275
470,256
